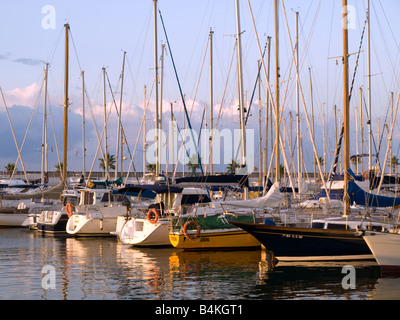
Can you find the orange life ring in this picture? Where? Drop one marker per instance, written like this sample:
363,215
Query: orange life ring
152,216
68,208
191,236
365,174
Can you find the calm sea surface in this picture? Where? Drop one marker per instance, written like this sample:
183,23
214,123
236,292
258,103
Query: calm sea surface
36,267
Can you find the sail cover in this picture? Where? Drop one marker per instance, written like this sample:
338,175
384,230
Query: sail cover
273,198
360,197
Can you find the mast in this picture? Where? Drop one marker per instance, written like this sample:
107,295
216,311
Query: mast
390,140
346,106
260,164
240,77
156,89
369,88
83,126
267,107
172,142
119,131
144,132
65,142
299,166
211,103
105,125
312,117
44,137
362,131
161,102
323,136
277,135
356,125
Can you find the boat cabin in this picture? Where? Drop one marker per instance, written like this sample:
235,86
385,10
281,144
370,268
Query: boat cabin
100,197
344,223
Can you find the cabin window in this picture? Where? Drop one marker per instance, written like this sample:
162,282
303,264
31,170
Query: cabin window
120,198
337,226
189,199
105,198
317,225
71,199
88,198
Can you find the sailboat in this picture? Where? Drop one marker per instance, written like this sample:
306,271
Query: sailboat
53,220
209,226
385,247
24,194
151,228
97,212
318,243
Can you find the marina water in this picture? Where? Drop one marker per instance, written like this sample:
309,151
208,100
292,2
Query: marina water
37,267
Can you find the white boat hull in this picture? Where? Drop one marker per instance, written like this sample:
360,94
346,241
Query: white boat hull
53,221
12,219
97,223
385,248
140,232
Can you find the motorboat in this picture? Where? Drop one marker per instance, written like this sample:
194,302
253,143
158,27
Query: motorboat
54,219
152,229
97,212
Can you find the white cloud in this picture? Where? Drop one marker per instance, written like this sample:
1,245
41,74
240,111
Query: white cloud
26,96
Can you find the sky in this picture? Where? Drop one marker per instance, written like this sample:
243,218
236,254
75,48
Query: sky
32,34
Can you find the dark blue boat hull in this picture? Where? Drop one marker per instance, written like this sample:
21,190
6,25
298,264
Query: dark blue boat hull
59,227
304,244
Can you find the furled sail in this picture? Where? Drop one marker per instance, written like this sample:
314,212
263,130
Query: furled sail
273,198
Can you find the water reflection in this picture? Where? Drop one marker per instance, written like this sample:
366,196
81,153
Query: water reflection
315,280
103,268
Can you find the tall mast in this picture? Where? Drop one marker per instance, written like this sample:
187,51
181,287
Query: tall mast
369,88
144,131
267,106
119,131
64,175
211,103
83,126
160,111
260,163
346,107
44,137
240,76
156,88
277,171
362,131
105,125
313,120
172,142
299,165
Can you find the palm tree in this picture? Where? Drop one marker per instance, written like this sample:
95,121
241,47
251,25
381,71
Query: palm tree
232,167
110,162
193,163
394,161
151,167
59,167
10,168
281,169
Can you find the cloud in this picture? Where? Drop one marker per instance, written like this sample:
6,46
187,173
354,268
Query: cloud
23,96
30,61
26,61
4,56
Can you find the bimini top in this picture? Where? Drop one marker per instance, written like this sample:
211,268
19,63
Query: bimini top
147,190
213,180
